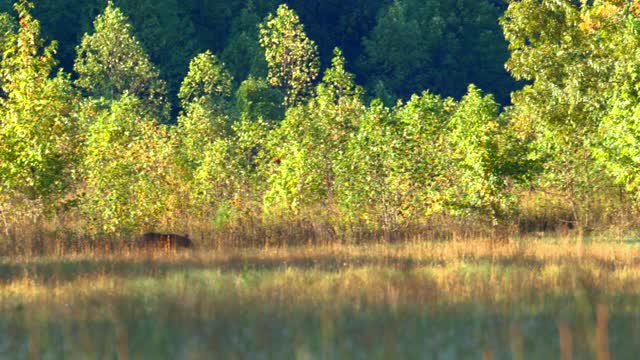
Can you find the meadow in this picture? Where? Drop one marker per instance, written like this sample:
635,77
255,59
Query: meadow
288,173
520,299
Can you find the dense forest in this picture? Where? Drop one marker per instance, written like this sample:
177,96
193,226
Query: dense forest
333,118
450,43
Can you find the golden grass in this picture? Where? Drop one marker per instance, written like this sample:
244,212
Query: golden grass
473,270
329,301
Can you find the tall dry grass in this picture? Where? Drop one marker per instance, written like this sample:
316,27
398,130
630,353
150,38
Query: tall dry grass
538,298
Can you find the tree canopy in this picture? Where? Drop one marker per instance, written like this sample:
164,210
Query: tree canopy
173,32
412,130
111,63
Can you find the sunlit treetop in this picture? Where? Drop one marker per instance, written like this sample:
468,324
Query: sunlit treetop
111,62
291,56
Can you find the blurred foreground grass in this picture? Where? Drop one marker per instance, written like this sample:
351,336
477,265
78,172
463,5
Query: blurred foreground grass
432,300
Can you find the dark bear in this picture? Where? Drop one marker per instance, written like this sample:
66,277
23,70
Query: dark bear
163,241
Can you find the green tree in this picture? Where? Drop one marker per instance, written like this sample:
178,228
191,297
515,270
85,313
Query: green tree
310,140
165,28
206,147
203,95
218,171
338,23
255,99
38,143
338,79
243,53
364,193
167,33
420,161
291,56
394,170
208,82
437,45
618,148
130,177
7,28
111,62
565,54
479,142
66,21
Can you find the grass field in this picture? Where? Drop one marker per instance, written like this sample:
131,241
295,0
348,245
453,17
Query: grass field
544,299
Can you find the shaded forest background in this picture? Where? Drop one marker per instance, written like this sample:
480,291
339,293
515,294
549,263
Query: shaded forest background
396,49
